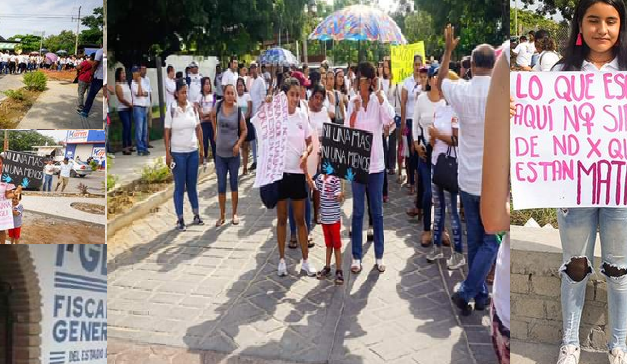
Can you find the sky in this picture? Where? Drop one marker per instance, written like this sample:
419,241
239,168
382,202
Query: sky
28,23
557,17
55,134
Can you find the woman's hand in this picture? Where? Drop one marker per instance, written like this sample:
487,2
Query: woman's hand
340,197
310,182
201,153
269,98
380,96
512,107
236,148
303,161
168,159
422,151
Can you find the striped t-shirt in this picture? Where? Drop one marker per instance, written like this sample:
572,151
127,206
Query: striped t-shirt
329,187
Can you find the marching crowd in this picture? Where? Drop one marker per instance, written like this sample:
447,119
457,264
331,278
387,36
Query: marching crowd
11,63
420,125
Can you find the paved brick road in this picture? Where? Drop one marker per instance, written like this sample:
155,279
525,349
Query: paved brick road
215,290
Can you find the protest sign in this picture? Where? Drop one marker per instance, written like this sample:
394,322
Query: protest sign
402,59
6,214
346,152
23,169
568,141
271,127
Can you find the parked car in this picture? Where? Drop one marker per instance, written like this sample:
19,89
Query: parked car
80,169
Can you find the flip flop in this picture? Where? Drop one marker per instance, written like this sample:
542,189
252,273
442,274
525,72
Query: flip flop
292,244
235,220
380,268
220,222
356,269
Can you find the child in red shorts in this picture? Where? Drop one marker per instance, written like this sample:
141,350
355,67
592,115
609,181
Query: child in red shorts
18,210
330,188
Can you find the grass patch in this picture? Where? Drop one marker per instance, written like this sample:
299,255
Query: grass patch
15,106
542,217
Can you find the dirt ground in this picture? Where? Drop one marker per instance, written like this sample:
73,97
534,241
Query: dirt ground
44,229
12,111
60,76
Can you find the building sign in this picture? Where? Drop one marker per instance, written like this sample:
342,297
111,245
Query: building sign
73,282
77,136
23,169
98,153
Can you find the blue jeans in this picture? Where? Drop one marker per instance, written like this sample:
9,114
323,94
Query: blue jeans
185,177
48,182
208,139
3,67
482,250
224,165
443,202
307,214
424,172
125,117
375,190
140,116
411,162
578,232
94,88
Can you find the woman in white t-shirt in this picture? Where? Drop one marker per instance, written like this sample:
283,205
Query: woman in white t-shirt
545,44
292,188
204,106
125,109
183,135
443,138
245,103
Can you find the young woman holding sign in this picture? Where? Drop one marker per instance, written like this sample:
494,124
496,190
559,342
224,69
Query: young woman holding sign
369,111
598,43
295,177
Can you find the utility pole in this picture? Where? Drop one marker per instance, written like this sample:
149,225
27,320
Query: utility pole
78,24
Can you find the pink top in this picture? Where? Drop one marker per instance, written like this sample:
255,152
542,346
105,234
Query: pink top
373,121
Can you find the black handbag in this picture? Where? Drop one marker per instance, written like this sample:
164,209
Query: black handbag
445,173
270,194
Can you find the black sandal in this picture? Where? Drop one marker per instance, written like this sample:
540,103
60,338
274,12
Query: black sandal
324,273
339,277
380,268
292,244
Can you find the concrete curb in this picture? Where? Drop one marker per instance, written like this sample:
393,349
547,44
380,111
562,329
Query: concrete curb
143,208
62,217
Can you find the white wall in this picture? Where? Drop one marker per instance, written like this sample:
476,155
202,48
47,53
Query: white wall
207,67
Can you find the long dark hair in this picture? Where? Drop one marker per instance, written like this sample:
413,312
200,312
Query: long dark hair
202,85
342,88
575,55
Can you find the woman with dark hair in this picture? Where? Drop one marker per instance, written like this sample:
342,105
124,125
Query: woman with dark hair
245,104
182,136
596,44
229,128
545,44
295,177
204,106
125,109
341,97
369,111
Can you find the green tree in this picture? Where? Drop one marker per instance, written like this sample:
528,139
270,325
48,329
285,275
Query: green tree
30,43
24,140
552,7
64,40
528,20
94,23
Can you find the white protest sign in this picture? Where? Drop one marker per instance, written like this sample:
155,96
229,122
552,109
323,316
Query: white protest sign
6,214
271,127
568,140
73,282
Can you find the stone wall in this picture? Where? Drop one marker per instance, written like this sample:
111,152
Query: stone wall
535,292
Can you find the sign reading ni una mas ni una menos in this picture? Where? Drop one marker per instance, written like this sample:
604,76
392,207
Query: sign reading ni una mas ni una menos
346,152
23,169
73,281
569,139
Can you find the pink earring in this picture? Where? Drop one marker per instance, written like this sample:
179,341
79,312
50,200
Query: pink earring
579,40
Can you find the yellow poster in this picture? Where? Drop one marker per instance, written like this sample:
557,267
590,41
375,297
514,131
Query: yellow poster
402,57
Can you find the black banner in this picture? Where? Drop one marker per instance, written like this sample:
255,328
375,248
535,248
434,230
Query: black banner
23,169
346,152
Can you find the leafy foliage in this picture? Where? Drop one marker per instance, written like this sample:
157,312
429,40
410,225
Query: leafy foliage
552,7
94,23
15,94
156,173
66,40
35,81
24,140
82,188
30,43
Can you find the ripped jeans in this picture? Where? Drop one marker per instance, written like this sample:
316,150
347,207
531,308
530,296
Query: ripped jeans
578,228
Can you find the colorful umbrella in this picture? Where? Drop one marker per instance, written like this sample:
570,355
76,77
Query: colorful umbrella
52,57
359,22
278,56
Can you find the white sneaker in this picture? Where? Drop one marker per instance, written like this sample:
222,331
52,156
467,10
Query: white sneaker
617,356
282,268
456,261
308,268
569,354
436,253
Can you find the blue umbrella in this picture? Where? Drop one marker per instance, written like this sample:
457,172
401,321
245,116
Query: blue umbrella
278,56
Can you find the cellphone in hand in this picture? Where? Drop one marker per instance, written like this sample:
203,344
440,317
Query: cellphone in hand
172,164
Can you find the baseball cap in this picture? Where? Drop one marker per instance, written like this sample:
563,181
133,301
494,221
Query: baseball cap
134,69
433,70
253,64
193,64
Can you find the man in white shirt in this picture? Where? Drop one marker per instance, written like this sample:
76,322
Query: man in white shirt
523,57
64,174
170,86
96,83
217,82
230,76
193,87
468,99
48,175
140,91
4,62
258,90
267,77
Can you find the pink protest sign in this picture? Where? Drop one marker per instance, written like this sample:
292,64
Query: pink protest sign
271,127
568,142
6,215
